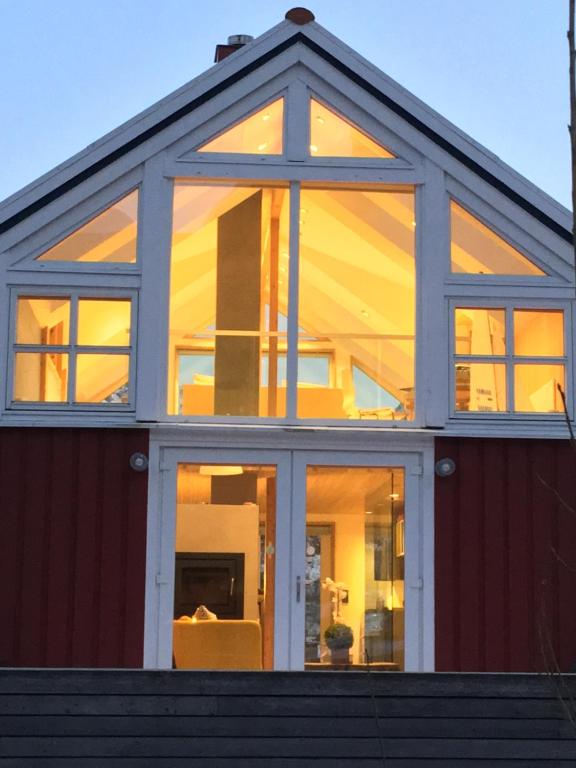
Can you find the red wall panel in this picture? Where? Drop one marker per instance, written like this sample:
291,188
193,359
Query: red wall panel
505,552
72,547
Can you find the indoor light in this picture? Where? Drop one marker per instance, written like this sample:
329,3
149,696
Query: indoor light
262,147
313,148
394,496
220,470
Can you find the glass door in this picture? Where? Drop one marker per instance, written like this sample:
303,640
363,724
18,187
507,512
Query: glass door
225,538
355,525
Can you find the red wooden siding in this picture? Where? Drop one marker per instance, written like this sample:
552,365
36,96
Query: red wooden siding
505,556
72,547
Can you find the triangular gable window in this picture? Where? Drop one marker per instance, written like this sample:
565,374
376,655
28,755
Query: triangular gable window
108,237
259,134
478,250
331,135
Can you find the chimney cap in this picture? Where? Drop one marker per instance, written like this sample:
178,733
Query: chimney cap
240,39
299,16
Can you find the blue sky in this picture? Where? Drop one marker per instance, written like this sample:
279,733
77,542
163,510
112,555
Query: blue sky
71,71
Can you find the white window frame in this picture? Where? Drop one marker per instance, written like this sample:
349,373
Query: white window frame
510,360
72,349
292,335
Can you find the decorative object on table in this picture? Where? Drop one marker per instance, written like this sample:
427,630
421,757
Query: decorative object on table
339,595
339,639
204,614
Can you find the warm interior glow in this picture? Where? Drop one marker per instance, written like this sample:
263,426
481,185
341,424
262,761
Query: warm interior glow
331,135
259,134
357,303
481,385
228,301
100,350
355,539
477,250
225,561
108,237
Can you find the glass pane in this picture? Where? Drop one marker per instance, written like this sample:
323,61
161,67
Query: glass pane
480,387
331,135
233,362
357,302
228,300
477,250
536,388
333,385
354,567
104,322
538,333
480,331
225,567
43,321
259,134
110,236
40,377
102,378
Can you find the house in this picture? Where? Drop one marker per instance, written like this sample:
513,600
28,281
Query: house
290,346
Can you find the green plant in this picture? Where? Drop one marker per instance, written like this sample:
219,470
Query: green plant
339,635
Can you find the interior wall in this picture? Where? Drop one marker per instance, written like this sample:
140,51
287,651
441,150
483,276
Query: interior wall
349,568
224,528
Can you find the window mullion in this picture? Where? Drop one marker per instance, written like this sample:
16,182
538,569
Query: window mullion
73,344
293,280
510,358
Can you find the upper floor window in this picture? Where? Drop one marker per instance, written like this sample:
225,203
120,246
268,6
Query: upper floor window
478,250
509,359
108,237
230,303
331,135
72,349
259,134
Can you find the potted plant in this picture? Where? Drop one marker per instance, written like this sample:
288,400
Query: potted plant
339,639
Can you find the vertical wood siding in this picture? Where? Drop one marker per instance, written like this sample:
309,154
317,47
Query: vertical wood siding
72,547
505,556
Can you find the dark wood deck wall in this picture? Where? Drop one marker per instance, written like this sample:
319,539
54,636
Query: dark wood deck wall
505,556
138,719
72,547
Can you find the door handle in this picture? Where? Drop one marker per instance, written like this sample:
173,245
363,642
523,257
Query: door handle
232,586
298,588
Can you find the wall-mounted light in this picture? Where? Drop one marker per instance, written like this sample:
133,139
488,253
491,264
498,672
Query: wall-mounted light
139,462
445,467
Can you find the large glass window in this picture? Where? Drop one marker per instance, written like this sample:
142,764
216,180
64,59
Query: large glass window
357,302
108,237
259,134
331,135
478,250
72,349
509,359
228,300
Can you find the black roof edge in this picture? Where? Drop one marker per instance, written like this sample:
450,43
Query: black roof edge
298,37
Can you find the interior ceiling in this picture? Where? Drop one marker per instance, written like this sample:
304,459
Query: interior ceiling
330,490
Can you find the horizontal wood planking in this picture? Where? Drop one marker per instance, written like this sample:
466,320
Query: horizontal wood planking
505,556
144,718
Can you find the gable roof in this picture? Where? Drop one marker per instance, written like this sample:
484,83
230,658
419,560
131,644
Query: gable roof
252,57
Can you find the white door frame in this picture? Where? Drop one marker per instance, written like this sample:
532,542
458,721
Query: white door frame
414,455
414,631
161,552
